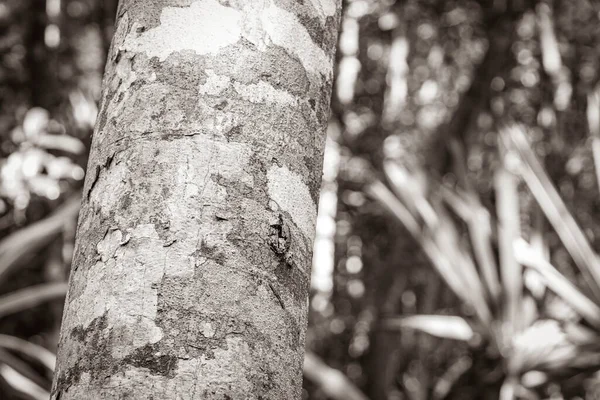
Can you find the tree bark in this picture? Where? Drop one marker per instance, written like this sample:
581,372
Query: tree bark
192,262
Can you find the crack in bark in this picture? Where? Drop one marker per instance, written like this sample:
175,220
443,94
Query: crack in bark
99,169
277,295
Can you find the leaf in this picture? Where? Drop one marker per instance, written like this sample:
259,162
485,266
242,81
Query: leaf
30,297
335,384
446,236
23,242
534,378
477,218
44,356
444,385
555,209
581,335
558,283
508,391
23,368
541,346
551,59
451,270
593,117
64,143
22,384
381,193
410,190
442,326
507,203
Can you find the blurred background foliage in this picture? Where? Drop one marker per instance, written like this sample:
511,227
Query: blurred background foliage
446,264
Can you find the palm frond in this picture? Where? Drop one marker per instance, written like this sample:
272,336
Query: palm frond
22,384
554,208
558,283
507,203
31,296
32,350
442,326
35,236
593,117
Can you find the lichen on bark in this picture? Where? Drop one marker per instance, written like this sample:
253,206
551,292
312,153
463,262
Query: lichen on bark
212,123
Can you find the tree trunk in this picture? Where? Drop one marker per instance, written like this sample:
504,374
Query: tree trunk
192,262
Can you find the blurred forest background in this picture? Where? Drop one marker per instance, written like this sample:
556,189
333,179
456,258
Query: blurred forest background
459,222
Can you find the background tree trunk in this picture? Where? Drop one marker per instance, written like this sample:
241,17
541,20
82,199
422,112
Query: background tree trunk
192,262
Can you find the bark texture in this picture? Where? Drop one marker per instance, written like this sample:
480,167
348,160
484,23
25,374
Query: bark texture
192,263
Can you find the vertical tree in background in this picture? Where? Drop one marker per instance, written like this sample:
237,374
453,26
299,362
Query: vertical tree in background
192,261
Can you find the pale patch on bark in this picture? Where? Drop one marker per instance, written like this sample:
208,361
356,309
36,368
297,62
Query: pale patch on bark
327,7
204,27
290,192
122,280
207,329
285,30
263,92
215,84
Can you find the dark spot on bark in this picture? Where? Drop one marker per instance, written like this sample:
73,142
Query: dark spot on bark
162,226
221,106
315,167
151,358
248,44
94,352
291,280
277,162
100,168
279,238
140,29
277,295
313,27
262,379
183,74
213,253
312,103
234,133
234,188
125,202
94,180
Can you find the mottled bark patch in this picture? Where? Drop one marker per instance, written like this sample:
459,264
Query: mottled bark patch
94,346
292,278
213,253
192,330
151,358
148,12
